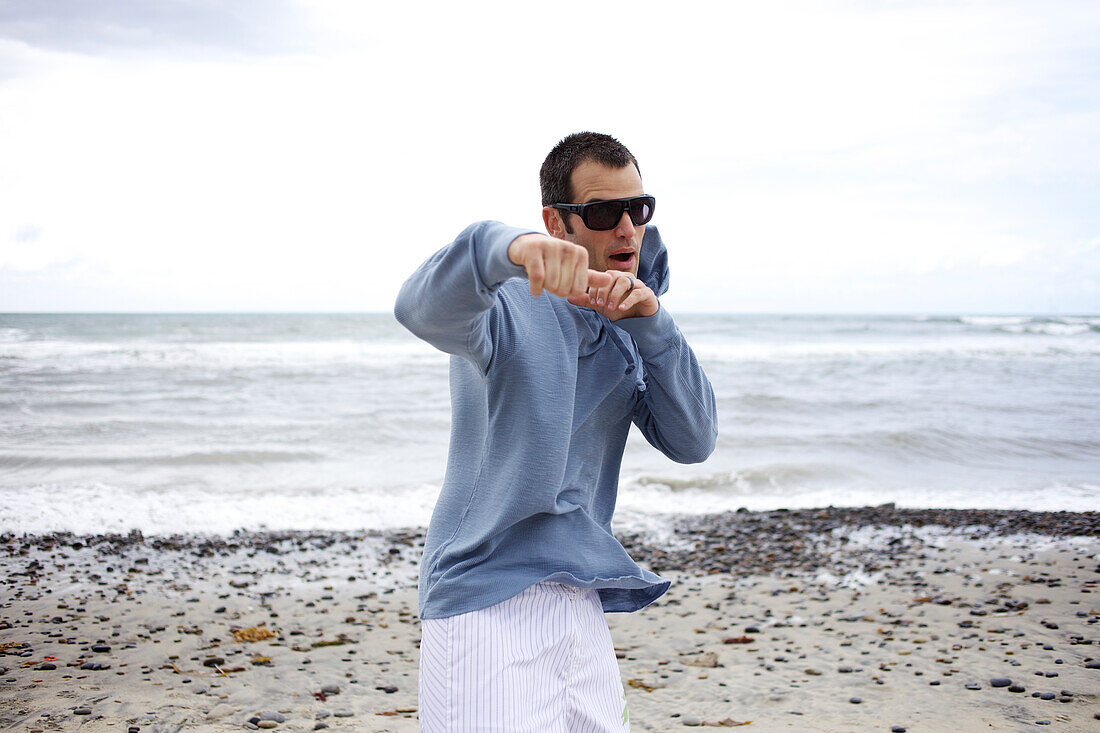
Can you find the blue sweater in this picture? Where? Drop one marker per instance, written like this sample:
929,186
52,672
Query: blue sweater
542,397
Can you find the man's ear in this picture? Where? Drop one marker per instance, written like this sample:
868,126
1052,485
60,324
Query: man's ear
551,218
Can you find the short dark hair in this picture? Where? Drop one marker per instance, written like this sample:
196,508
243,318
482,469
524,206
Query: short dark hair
555,176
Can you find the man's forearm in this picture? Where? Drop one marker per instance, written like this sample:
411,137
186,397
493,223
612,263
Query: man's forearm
677,412
446,301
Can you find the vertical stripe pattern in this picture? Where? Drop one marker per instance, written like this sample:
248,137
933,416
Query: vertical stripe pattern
542,661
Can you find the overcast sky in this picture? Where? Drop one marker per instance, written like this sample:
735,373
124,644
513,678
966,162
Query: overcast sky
307,155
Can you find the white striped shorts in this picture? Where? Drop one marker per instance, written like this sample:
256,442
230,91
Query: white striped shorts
541,661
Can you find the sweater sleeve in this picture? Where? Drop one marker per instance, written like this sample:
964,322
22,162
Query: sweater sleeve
676,412
447,300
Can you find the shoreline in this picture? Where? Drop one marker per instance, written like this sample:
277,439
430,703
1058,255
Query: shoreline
784,618
742,526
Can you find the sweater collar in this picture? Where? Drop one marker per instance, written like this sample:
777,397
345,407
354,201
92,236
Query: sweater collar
653,261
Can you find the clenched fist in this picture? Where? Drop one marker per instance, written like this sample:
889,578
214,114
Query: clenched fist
555,265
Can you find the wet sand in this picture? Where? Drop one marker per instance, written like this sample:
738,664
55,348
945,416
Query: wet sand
820,620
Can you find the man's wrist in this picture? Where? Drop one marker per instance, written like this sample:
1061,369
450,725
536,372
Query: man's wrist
652,333
494,258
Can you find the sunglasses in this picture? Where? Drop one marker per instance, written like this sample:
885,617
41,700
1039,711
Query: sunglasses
599,216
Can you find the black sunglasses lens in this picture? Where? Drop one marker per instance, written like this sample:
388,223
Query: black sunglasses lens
603,215
641,210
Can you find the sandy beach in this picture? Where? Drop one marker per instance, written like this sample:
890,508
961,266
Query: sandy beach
821,620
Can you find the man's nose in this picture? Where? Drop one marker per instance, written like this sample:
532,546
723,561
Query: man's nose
626,226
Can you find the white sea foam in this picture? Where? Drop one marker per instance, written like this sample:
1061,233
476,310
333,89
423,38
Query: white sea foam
994,320
94,507
990,347
69,356
1051,329
639,499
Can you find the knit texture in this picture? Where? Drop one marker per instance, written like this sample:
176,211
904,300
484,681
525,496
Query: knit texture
543,394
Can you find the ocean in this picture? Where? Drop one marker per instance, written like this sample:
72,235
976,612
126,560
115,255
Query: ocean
215,422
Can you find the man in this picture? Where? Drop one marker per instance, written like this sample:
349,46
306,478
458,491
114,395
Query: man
547,375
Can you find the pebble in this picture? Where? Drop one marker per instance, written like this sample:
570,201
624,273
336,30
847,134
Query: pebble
903,629
897,729
388,689
101,647
343,714
271,715
1042,722
267,724
1000,682
855,700
973,686
220,711
691,720
82,711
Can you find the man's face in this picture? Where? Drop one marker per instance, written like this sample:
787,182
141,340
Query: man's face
614,249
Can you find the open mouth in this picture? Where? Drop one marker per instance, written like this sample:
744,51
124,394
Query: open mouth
622,259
